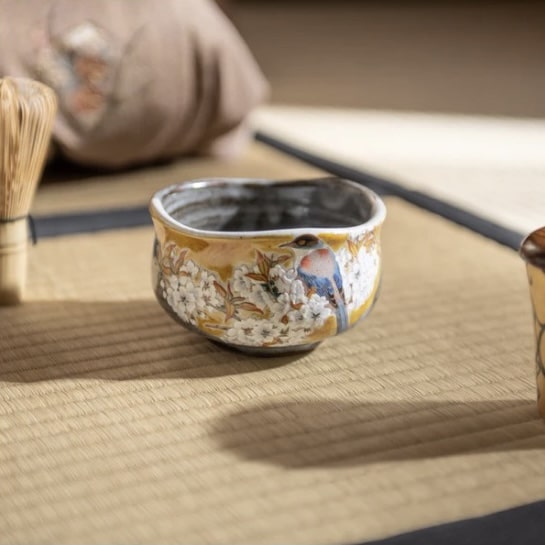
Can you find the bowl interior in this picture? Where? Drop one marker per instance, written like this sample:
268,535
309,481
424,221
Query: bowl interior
218,205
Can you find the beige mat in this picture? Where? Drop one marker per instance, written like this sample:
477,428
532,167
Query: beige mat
492,167
117,425
71,189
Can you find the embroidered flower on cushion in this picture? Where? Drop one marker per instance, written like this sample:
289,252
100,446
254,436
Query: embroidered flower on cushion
80,66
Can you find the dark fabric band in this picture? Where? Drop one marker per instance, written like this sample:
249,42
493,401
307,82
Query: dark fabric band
90,222
32,228
524,525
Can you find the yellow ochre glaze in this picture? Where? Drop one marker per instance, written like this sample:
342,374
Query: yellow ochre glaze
334,241
222,254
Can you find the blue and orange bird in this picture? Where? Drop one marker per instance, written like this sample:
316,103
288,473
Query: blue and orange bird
318,270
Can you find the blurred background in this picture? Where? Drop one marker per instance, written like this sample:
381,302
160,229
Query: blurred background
465,56
442,97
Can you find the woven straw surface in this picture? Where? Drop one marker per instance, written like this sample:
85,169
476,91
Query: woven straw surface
117,425
68,189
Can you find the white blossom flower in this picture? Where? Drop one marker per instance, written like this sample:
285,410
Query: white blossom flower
191,269
265,332
280,306
241,284
297,292
172,282
298,316
318,309
207,294
260,297
180,298
282,278
206,281
186,306
242,331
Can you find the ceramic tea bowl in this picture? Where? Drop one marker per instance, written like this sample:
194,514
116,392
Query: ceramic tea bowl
267,266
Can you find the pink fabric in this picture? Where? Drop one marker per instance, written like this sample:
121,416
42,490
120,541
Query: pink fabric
137,80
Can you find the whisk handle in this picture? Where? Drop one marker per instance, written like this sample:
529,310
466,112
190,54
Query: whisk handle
13,260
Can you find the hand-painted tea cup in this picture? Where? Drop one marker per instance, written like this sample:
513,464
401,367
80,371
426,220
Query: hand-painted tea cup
532,251
267,266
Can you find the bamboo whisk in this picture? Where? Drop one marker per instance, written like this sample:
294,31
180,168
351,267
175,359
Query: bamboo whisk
27,111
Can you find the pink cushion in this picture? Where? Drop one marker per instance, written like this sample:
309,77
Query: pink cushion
137,80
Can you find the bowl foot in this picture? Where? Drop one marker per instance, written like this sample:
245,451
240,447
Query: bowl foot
269,351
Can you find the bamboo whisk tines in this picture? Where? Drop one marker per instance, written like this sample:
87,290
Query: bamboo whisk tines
27,112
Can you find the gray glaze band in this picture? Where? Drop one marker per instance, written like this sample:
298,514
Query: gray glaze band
215,206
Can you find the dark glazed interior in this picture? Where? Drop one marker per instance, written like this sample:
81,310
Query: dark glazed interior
255,206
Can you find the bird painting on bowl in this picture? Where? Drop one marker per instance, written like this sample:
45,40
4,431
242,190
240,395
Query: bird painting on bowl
319,271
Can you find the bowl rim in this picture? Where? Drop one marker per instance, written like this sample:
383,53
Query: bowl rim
159,213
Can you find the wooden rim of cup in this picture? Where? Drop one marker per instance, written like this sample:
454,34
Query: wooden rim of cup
532,249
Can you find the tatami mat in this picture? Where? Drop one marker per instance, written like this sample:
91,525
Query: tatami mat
117,425
69,189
